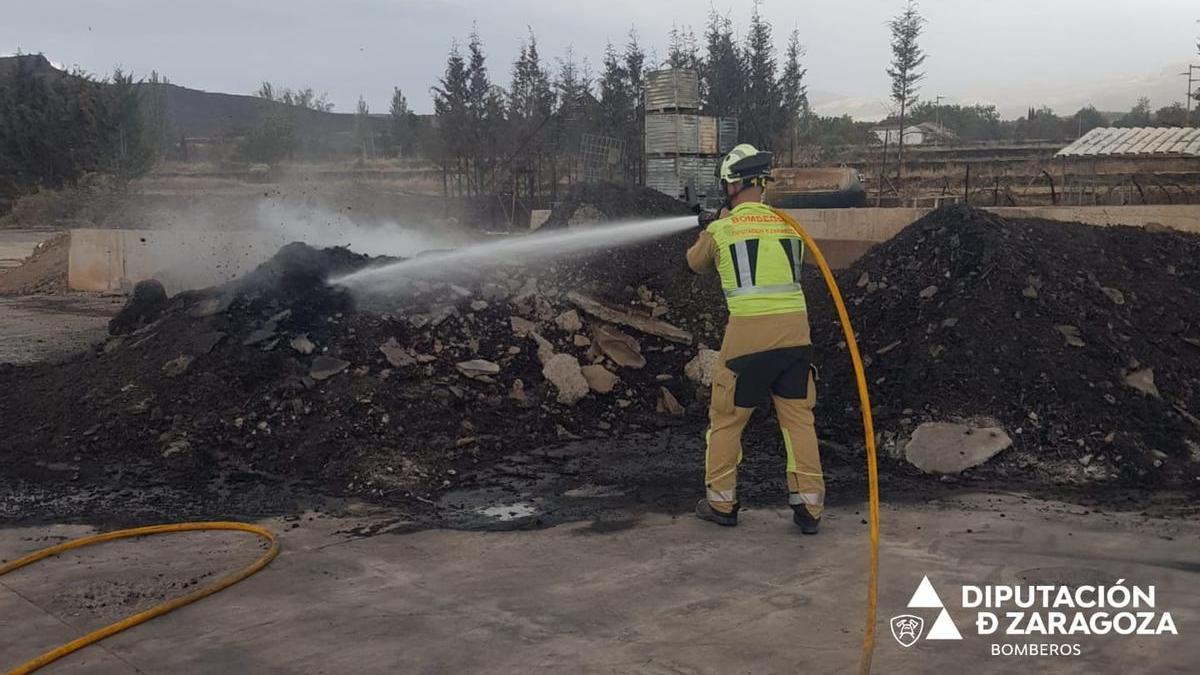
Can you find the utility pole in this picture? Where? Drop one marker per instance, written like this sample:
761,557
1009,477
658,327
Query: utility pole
937,112
1193,78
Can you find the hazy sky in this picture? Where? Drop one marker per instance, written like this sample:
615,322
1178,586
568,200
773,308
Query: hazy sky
977,48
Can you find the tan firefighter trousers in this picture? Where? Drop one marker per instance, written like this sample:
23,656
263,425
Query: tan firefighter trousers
761,357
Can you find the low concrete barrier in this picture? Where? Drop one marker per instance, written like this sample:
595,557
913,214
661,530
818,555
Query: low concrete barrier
845,234
115,260
876,225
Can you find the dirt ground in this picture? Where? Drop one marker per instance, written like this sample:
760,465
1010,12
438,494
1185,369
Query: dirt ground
37,328
650,593
17,244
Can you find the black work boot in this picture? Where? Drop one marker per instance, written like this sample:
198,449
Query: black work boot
705,511
804,520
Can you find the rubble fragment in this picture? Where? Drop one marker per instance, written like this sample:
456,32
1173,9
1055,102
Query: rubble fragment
476,368
940,447
397,355
177,366
569,321
644,324
668,404
302,344
1070,335
600,379
522,327
545,349
563,371
700,369
325,367
623,349
1142,379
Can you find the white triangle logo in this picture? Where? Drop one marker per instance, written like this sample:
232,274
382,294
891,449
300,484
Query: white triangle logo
944,628
925,596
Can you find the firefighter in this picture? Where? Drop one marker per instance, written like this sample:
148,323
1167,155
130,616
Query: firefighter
767,349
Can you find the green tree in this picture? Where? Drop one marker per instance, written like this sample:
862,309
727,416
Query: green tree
1088,118
795,93
905,69
530,105
485,111
969,123
305,98
273,137
1043,124
635,63
722,70
1174,115
298,98
402,126
453,119
573,114
364,136
761,111
156,125
130,149
616,99
1140,115
530,97
56,127
682,50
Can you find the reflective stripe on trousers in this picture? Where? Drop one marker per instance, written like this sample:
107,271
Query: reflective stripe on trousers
806,498
722,496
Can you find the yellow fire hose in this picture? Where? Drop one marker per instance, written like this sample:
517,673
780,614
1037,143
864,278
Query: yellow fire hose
157,610
864,401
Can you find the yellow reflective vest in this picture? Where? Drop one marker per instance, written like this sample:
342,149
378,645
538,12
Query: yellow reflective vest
758,259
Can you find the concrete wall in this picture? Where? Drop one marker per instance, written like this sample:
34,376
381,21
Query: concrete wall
845,234
114,260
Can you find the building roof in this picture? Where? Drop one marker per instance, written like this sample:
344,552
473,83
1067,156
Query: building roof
935,128
924,127
1137,141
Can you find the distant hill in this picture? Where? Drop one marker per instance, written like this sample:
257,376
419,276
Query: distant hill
202,114
196,113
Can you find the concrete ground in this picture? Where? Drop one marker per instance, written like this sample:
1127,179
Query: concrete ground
655,595
50,327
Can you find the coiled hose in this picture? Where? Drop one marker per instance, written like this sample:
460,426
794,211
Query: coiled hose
158,610
864,400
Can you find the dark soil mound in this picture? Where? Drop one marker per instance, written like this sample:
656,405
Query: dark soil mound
281,377
608,201
1043,326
